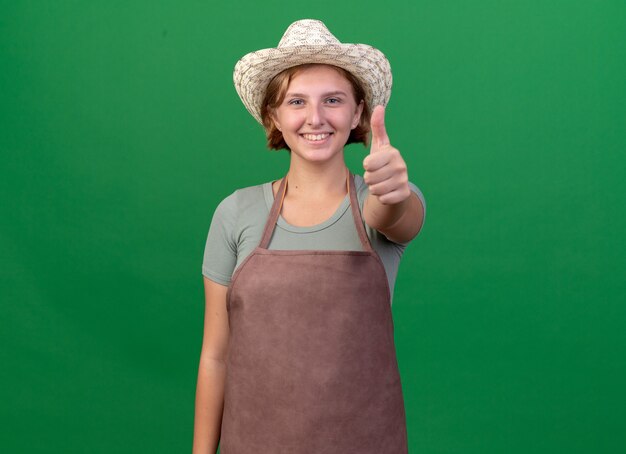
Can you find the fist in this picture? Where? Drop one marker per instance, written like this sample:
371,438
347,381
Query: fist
385,171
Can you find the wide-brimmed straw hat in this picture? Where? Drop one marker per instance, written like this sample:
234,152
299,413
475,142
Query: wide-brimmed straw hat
309,41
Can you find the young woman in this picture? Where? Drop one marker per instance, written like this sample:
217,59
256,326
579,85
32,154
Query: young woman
298,354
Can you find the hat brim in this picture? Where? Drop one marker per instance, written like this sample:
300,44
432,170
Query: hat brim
255,70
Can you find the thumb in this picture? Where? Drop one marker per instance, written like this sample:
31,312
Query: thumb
379,132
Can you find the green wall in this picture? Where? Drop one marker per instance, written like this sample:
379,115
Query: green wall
120,131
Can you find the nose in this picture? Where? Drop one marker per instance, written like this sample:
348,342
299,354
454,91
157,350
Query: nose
315,115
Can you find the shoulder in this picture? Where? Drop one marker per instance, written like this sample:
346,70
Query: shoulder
244,208
243,198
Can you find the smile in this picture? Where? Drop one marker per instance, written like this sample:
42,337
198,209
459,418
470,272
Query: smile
316,137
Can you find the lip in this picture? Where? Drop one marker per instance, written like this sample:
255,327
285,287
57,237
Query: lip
317,142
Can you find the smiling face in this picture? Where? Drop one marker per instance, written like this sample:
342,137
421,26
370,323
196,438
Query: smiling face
317,113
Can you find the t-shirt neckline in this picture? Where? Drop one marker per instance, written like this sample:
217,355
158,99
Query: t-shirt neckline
269,200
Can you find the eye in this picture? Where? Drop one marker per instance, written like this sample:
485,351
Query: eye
295,102
334,100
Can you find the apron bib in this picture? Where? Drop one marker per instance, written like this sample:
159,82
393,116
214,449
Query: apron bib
311,366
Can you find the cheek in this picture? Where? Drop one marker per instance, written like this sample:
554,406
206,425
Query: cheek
292,123
344,121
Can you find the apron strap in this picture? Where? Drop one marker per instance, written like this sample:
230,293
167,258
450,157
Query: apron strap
278,203
274,212
356,215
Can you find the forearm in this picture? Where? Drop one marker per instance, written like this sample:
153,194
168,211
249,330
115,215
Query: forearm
399,222
209,405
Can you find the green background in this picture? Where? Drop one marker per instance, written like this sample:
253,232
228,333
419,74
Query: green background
120,132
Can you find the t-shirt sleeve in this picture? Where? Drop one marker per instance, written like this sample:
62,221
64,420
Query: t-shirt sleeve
220,251
420,196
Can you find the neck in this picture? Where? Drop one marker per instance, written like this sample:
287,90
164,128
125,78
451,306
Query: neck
316,180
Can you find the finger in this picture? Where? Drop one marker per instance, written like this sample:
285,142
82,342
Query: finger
379,132
377,175
383,187
375,161
395,196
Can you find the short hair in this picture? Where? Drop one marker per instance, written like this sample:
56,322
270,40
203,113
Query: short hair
275,95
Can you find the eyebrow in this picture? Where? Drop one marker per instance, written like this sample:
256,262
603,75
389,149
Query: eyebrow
331,93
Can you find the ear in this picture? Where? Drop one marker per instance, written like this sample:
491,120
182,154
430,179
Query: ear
357,114
275,120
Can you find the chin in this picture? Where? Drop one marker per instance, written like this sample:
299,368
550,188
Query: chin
313,156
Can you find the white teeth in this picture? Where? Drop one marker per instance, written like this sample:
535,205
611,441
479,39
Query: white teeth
315,136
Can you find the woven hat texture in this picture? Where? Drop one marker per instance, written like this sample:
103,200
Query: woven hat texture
309,41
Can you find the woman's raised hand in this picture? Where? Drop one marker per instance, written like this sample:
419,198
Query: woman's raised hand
385,171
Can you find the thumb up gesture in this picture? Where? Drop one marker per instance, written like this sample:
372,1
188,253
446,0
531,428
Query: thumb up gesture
385,170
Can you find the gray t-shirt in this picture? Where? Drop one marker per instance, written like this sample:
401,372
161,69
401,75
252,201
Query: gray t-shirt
239,219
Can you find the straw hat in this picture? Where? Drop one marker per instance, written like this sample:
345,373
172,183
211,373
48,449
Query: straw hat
309,41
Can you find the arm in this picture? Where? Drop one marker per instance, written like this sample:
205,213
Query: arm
209,403
400,222
391,207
